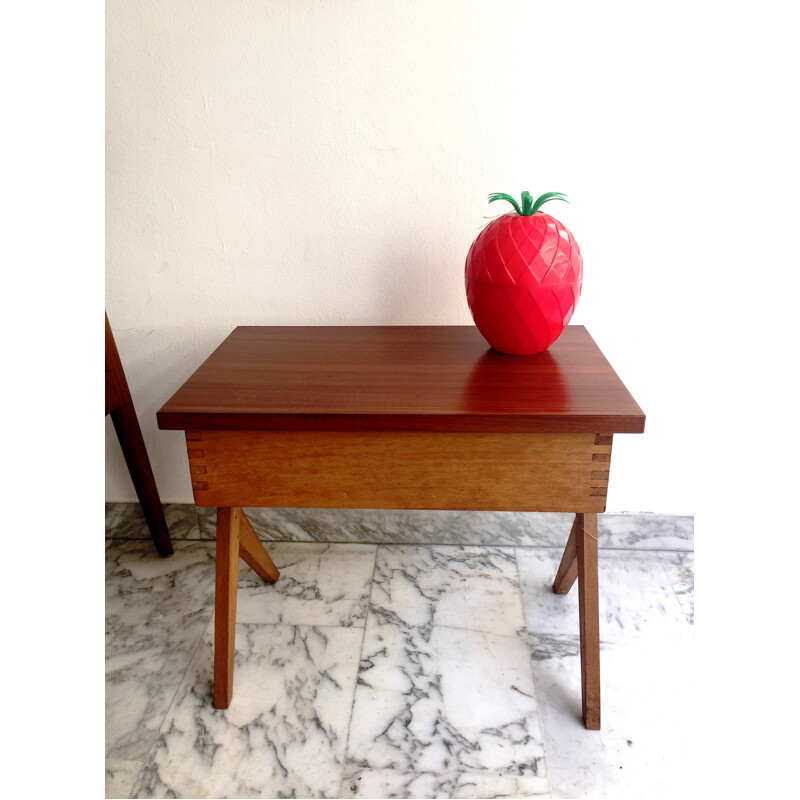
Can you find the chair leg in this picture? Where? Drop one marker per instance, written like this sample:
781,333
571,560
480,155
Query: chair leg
130,438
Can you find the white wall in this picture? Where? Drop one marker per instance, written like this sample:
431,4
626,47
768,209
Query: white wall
328,163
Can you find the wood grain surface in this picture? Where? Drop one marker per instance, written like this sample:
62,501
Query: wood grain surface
589,614
227,574
437,378
126,423
335,469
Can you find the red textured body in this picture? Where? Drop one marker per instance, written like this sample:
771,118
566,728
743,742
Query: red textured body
523,277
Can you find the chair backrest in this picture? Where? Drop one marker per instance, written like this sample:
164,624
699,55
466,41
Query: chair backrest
115,377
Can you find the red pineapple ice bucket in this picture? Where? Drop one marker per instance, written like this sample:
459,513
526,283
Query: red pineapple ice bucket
523,277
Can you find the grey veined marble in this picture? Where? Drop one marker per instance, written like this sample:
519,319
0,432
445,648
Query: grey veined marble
377,526
387,526
319,584
647,745
285,731
638,595
156,610
126,521
379,667
445,683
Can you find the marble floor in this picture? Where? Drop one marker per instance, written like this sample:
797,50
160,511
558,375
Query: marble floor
401,654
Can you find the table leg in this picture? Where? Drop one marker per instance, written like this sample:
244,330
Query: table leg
580,561
568,569
228,524
253,553
235,538
588,597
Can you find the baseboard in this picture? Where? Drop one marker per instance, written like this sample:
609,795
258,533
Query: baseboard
499,528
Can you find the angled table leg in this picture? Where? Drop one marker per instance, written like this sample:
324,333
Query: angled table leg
235,538
580,560
253,553
568,568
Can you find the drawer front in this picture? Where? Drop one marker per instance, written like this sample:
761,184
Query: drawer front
470,471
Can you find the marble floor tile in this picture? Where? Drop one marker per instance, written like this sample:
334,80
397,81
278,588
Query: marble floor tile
319,584
442,699
636,595
457,586
156,611
646,745
140,683
645,531
626,531
144,590
680,570
387,526
445,682
126,521
503,528
486,528
285,731
121,776
451,695
390,783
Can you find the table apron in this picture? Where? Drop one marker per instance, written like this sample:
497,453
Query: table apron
476,471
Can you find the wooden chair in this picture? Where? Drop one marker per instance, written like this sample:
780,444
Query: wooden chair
120,405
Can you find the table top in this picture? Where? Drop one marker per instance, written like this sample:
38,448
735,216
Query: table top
432,378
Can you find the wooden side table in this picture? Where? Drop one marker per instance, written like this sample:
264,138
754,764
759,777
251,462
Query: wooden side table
401,417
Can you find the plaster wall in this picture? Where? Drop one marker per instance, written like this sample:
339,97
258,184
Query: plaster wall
300,163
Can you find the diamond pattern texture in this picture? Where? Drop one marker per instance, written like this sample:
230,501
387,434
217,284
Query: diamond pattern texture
523,278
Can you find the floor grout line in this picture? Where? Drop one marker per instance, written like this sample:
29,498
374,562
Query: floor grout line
529,643
358,670
150,752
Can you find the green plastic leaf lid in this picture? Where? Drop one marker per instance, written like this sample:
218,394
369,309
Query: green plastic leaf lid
529,208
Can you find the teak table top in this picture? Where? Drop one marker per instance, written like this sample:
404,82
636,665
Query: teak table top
432,378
